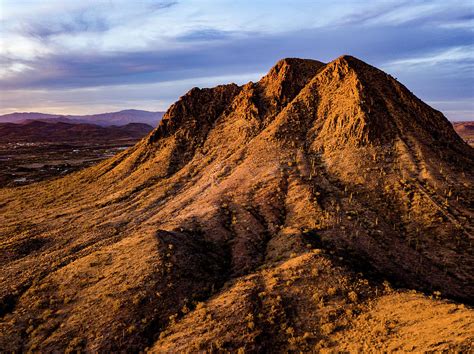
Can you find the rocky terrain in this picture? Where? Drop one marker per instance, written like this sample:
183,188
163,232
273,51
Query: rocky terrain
324,207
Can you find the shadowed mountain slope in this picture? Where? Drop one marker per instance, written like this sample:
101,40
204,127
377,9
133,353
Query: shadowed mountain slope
269,216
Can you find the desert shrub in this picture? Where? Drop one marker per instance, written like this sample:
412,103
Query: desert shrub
327,328
332,291
131,329
185,309
352,296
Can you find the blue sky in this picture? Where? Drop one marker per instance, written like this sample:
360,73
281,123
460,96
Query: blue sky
78,57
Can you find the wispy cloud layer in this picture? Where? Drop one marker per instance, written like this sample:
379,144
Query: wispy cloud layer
97,47
459,55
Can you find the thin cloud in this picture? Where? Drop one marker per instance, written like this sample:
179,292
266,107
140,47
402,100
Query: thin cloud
160,5
205,35
371,15
78,22
462,55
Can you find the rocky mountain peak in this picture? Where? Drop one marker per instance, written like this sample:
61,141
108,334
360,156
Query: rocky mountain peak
289,203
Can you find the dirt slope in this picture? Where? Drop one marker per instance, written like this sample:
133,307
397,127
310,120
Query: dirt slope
270,216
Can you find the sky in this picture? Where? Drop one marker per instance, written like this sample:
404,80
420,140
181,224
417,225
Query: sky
92,56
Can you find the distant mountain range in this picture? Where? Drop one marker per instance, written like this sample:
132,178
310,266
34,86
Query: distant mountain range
46,131
465,130
104,119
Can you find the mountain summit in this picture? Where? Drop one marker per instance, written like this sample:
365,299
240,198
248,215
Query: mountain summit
286,214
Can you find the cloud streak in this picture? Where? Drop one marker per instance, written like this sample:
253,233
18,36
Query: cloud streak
459,55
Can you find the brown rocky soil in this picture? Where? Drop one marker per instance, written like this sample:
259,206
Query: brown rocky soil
323,208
